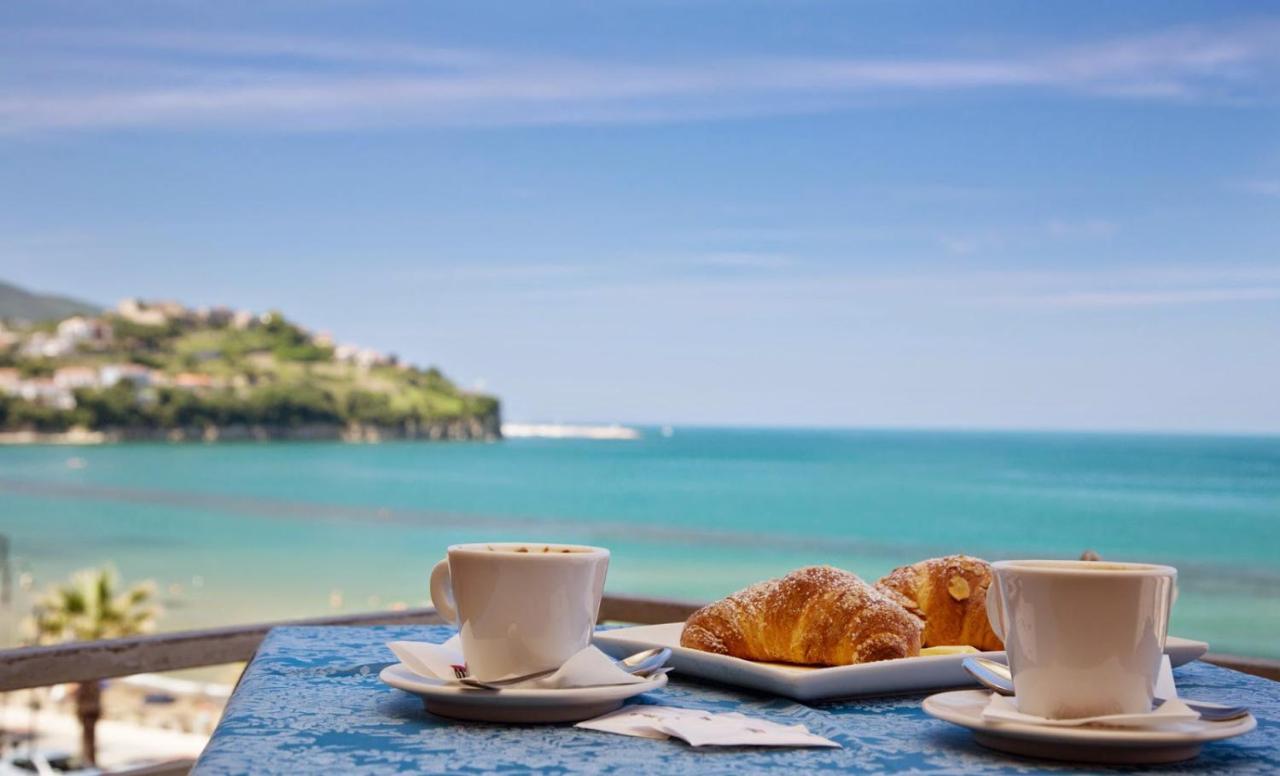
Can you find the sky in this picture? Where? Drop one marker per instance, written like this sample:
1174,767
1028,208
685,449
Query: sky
897,214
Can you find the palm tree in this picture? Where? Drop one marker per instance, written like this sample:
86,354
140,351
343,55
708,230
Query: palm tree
89,608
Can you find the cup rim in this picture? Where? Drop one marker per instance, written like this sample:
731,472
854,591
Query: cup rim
581,552
1047,566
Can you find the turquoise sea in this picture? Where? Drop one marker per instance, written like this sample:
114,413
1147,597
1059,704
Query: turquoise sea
241,532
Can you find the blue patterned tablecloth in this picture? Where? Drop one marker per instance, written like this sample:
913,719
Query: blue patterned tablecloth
311,703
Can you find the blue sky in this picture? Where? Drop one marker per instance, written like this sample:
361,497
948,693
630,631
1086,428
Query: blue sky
1003,215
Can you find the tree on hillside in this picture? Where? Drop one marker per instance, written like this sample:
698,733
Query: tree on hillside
90,607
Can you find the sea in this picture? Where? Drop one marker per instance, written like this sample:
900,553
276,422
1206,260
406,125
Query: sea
234,533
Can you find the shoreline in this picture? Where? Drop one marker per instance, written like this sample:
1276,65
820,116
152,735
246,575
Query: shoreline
487,429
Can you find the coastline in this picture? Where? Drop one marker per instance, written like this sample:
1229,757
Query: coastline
485,429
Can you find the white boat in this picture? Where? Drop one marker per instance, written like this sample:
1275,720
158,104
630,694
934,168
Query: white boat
567,431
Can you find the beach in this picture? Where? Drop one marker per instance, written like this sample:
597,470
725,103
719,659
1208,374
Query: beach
242,532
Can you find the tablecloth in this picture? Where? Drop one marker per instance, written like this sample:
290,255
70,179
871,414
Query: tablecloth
311,702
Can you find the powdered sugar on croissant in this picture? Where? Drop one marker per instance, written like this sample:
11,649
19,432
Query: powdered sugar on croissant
817,615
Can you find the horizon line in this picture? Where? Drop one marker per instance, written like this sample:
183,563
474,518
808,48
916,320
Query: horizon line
894,428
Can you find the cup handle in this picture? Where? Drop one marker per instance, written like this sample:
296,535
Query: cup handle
442,593
995,611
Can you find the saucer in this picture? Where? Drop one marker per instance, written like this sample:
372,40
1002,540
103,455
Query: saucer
515,705
1081,744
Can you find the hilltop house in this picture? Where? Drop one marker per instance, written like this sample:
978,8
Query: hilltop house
243,319
216,317
193,381
363,358
75,329
42,345
144,313
79,329
68,336
138,376
44,391
73,377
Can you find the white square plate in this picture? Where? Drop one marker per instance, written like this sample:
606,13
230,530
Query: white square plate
809,683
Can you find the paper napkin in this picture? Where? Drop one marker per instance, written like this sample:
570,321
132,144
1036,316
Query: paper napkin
703,728
1004,709
588,668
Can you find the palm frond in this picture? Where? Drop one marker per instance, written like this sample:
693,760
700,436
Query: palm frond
88,607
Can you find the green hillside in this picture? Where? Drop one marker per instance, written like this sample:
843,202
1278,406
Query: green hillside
20,304
219,374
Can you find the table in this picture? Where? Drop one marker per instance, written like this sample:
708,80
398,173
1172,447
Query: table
311,702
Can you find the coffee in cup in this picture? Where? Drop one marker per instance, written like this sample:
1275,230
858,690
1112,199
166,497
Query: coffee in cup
1084,638
520,607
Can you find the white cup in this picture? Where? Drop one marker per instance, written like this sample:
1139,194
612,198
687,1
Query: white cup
520,607
1084,638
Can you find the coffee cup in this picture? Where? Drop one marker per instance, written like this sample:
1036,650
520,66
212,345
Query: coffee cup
520,607
1084,638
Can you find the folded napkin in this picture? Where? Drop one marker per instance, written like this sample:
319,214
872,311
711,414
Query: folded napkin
703,728
588,668
1004,709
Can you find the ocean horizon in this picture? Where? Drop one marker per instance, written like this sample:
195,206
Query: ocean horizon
246,532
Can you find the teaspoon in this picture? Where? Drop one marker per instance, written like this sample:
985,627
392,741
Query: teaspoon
640,664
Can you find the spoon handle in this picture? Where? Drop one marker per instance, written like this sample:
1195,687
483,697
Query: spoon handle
498,684
1210,712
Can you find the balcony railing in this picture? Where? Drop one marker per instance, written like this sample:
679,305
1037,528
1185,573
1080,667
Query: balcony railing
89,660
29,667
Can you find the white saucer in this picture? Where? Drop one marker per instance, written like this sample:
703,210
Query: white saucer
1081,744
515,705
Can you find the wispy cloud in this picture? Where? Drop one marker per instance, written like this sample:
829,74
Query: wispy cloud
240,46
744,260
1148,297
170,79
749,277
978,241
1267,188
1089,227
960,245
1153,286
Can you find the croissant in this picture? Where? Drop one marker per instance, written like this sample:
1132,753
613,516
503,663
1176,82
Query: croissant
950,595
817,615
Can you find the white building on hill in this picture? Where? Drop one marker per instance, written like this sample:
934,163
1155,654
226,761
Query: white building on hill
141,313
73,377
139,376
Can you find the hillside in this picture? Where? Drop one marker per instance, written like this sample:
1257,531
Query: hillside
21,305
162,371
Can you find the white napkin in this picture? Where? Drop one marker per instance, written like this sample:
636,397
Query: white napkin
703,728
588,668
1005,709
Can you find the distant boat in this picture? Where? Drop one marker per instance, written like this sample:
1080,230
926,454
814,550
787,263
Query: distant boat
668,431
566,431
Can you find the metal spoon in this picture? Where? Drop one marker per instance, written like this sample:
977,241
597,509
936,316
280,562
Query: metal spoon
641,664
644,662
998,678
